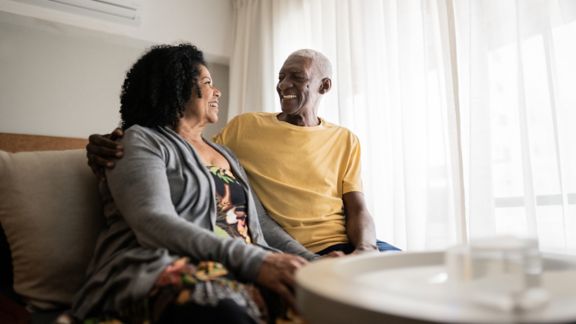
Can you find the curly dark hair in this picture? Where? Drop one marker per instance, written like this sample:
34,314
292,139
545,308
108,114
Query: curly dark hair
159,84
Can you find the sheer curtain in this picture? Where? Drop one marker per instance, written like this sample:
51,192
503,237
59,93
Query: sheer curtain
463,108
517,81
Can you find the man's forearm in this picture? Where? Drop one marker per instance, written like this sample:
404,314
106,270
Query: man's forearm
361,232
359,223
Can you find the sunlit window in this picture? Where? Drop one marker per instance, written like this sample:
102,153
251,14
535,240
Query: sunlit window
533,134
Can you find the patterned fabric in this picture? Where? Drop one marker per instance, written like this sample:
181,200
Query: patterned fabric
206,283
232,216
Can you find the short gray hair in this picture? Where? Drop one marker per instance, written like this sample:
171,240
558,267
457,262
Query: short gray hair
321,62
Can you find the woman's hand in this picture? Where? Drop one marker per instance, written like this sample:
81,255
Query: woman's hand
103,150
277,274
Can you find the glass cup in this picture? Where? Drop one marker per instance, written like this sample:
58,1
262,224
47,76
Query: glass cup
501,272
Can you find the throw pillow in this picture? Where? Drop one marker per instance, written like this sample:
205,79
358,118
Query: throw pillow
51,214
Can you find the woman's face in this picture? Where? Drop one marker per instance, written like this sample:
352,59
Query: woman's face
205,108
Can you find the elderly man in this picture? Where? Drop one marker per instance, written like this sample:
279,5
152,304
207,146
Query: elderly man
305,170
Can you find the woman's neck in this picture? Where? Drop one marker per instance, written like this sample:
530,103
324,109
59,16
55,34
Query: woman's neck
191,133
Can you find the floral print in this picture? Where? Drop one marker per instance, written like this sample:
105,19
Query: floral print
231,196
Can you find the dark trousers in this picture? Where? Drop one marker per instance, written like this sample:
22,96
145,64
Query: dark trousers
227,311
347,248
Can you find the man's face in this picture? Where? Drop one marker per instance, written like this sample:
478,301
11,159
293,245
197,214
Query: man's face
298,85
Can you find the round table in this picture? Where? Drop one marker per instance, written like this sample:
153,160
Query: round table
412,287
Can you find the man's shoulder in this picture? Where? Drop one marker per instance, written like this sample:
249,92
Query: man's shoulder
249,119
249,116
242,124
342,130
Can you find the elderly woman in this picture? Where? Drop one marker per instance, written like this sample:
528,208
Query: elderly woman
183,241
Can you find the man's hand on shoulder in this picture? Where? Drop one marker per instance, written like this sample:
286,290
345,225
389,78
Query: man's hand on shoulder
102,151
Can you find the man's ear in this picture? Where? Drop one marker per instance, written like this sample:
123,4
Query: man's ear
325,85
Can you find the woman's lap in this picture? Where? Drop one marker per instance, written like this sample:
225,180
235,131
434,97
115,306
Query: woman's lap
200,293
204,290
226,311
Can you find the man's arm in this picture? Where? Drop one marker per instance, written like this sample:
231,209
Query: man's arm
359,223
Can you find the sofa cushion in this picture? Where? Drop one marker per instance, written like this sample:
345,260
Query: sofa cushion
51,214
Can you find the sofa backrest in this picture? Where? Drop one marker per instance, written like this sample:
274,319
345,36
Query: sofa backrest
50,213
31,143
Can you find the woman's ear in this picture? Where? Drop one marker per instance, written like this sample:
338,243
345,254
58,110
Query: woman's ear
325,85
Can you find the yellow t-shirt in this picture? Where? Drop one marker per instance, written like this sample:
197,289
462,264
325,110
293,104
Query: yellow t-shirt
299,173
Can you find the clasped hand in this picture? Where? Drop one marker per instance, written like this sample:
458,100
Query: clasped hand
277,273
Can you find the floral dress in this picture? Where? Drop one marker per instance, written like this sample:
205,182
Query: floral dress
206,283
232,217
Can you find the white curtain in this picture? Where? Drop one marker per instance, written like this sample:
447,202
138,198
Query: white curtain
464,108
251,69
518,82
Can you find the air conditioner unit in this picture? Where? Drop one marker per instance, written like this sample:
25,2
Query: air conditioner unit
122,11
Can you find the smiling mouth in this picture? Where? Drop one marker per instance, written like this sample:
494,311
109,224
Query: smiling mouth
288,97
214,104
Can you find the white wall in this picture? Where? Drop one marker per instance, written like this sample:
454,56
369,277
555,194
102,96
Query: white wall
63,78
206,23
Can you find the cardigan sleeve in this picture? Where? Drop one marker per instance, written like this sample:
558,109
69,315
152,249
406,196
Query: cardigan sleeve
141,190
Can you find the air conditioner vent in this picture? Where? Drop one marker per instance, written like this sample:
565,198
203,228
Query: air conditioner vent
122,11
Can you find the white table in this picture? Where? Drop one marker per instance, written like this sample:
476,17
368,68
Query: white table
411,287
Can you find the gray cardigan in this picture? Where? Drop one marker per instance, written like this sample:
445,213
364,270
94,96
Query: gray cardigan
164,207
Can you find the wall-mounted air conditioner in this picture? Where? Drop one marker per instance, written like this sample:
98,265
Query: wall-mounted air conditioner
122,11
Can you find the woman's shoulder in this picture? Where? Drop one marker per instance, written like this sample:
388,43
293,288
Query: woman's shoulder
146,133
137,130
149,138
